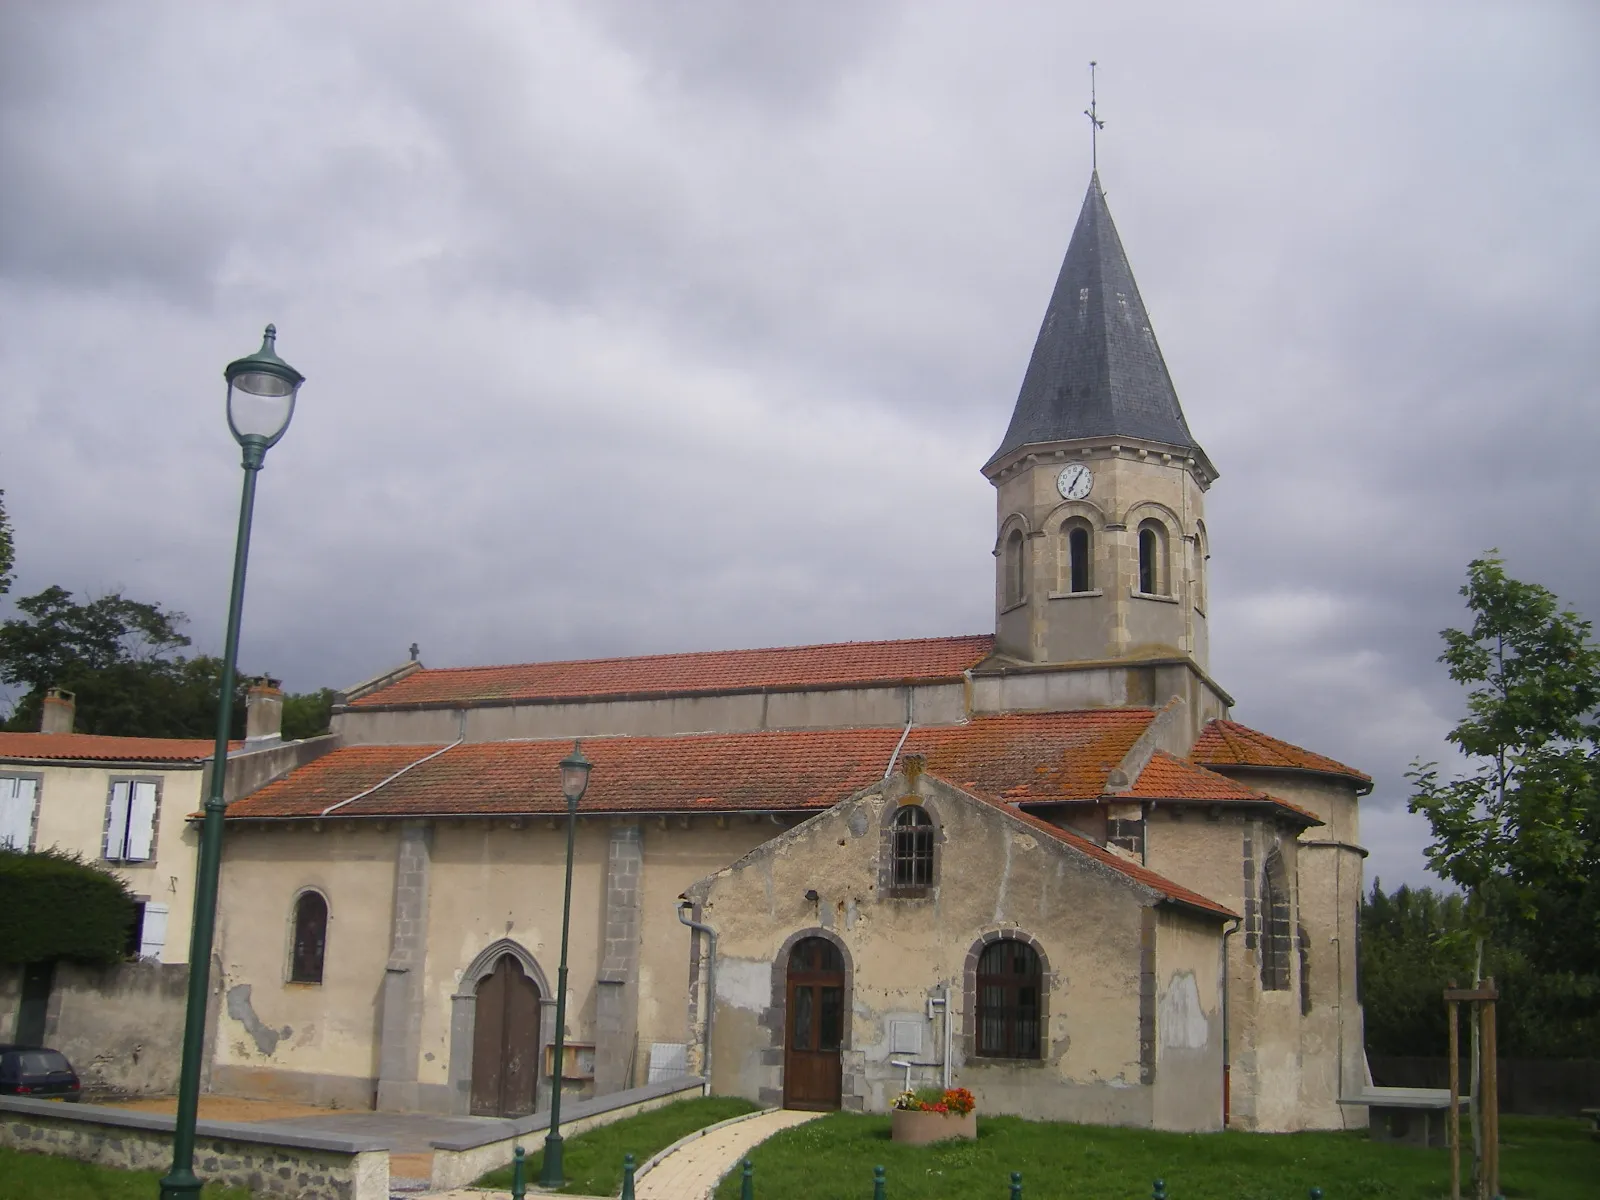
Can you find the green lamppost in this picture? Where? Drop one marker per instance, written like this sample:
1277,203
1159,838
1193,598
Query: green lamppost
261,394
574,779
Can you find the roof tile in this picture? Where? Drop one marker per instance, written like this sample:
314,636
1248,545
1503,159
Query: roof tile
836,664
93,746
1230,744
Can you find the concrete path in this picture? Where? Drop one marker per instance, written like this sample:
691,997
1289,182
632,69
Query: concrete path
692,1171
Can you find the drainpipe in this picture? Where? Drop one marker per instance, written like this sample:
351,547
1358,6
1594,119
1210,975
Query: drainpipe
684,908
1227,1062
904,734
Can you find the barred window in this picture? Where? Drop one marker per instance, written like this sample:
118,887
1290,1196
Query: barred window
310,938
913,850
1276,937
1009,982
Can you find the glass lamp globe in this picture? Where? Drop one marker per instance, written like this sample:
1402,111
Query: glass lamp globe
261,393
575,773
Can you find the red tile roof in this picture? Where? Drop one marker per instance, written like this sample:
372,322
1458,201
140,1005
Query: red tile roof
1141,874
1046,756
1166,777
93,746
834,665
1230,744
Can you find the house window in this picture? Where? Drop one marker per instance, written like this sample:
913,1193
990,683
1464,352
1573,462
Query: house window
1009,981
147,935
310,938
1152,559
131,820
1276,938
17,802
1013,567
912,855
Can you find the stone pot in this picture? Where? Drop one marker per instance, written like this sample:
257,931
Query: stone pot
919,1128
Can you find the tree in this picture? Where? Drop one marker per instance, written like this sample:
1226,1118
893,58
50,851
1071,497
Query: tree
121,658
1521,822
7,548
56,906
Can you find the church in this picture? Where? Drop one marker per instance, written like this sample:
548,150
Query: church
1041,863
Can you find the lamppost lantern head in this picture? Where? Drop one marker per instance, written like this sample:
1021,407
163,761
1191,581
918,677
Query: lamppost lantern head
575,773
261,393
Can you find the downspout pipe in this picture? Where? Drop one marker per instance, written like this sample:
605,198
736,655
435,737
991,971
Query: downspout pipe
1227,1062
904,734
684,909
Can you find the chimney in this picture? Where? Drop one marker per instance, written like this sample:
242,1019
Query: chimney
263,710
60,709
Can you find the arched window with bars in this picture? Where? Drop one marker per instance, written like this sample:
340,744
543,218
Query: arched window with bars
1010,981
911,851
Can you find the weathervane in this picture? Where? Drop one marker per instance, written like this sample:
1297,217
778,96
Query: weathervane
1095,123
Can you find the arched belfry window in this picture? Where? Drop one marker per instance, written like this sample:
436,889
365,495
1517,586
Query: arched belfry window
310,938
1012,563
1076,549
1152,559
1010,984
911,861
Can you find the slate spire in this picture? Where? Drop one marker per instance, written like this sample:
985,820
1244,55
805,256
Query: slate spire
1096,370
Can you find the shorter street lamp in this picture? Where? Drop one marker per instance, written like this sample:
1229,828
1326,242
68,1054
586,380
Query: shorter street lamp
574,779
261,395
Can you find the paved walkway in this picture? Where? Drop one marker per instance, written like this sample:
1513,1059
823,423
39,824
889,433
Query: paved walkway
691,1172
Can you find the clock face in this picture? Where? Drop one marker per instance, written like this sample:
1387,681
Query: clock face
1074,482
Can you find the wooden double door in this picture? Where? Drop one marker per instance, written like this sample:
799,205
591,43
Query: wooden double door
814,1026
505,1042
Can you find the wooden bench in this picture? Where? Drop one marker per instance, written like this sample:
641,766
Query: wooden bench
1412,1116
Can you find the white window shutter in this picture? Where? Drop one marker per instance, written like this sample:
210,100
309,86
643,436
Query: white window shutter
154,934
117,826
16,812
141,821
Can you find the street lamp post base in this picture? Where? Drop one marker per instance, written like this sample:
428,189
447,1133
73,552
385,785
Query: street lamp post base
550,1173
181,1184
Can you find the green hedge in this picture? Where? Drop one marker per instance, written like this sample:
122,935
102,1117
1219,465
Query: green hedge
55,905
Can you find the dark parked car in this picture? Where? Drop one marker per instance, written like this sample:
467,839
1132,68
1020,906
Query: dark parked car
37,1072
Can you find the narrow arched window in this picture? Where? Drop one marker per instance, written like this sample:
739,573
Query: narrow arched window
1009,982
1079,578
1151,567
1276,936
1013,568
310,938
912,854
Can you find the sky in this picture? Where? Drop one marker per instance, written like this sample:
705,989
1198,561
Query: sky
633,327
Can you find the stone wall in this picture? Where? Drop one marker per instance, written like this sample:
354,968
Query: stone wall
306,1167
120,1026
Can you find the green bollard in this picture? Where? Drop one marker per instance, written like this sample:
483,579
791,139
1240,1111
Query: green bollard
627,1178
747,1181
1016,1185
519,1182
878,1185
1160,1192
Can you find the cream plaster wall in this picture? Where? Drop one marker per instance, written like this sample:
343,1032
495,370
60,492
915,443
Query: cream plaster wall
73,803
274,1037
819,708
1188,1076
995,874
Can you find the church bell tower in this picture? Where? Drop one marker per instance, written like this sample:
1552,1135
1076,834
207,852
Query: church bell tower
1101,544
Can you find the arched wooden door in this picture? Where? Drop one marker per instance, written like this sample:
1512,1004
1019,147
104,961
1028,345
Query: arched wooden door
505,1042
814,1028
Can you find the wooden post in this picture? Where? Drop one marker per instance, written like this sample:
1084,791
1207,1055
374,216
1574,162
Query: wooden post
1491,1093
1454,1130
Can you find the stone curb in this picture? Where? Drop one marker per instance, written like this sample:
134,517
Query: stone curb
655,1159
228,1131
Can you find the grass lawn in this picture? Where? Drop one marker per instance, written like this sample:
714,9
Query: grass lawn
593,1161
45,1177
832,1159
